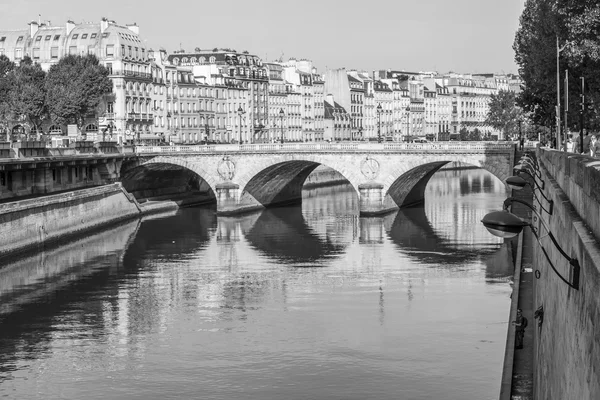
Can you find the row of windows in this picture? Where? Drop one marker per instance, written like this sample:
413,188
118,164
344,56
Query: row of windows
131,51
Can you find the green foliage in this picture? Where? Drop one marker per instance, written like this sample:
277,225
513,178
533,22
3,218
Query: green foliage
75,87
576,24
503,113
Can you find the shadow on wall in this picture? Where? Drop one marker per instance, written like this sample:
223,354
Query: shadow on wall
166,182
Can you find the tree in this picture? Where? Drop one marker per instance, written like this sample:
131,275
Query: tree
26,97
75,86
503,113
576,24
6,66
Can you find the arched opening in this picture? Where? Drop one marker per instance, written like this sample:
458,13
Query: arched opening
282,184
166,182
91,128
409,187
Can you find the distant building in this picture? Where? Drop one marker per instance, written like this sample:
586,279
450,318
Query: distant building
120,49
243,75
338,122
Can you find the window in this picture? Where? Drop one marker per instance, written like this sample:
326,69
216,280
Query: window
18,54
137,53
38,38
110,50
2,39
54,52
91,49
36,54
56,37
109,68
93,36
105,34
130,51
122,50
75,35
19,39
84,36
48,37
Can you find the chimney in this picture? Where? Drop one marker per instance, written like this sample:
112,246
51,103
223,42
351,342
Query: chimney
70,26
329,99
33,28
103,25
134,28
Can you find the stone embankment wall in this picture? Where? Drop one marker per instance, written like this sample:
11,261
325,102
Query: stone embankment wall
27,225
567,343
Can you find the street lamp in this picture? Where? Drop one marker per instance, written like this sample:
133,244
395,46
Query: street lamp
518,183
240,111
528,169
281,115
507,225
407,109
379,108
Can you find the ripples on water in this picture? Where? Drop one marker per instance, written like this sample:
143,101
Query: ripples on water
307,302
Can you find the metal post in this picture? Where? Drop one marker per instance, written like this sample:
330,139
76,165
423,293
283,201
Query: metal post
580,149
566,131
379,126
557,93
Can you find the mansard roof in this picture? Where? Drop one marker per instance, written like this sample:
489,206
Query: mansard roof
216,56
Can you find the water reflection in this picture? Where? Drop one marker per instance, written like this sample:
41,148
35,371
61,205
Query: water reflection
284,234
297,302
41,295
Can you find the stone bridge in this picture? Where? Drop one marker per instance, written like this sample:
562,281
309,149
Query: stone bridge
242,178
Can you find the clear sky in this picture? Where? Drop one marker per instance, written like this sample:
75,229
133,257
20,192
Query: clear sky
440,35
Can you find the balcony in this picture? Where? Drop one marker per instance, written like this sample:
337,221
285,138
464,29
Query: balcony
143,75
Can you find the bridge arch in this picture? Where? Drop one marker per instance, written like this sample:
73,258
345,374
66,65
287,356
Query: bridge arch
168,176
275,180
405,183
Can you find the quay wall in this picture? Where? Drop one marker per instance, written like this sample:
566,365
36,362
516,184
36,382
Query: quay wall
567,342
28,225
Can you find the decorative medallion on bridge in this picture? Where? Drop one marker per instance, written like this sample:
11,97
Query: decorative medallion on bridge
369,167
226,169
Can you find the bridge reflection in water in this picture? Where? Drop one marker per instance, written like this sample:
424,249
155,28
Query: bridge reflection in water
296,302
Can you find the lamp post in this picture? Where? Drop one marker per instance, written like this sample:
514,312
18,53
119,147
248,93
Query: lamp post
379,108
240,113
407,109
281,115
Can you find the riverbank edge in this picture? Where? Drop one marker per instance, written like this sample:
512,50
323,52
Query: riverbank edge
509,348
33,224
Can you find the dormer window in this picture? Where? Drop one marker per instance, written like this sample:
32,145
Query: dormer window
19,39
84,36
75,36
93,36
2,39
56,37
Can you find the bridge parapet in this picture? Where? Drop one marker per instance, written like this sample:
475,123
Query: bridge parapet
317,147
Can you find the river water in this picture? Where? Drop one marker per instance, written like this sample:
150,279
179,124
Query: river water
306,302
